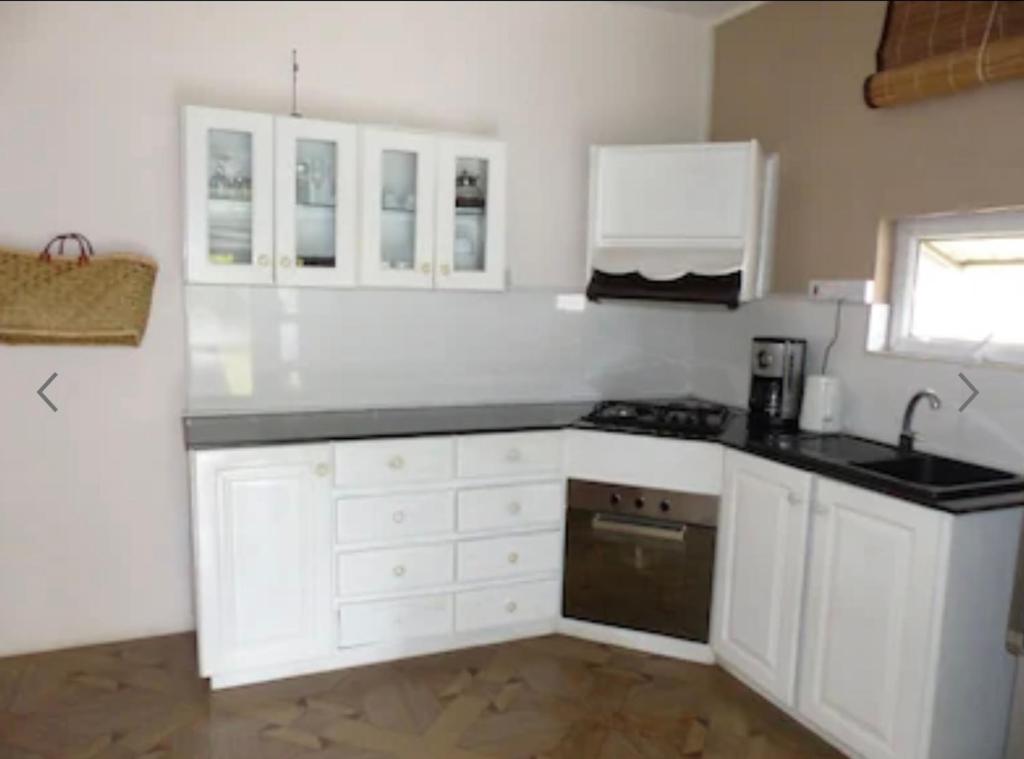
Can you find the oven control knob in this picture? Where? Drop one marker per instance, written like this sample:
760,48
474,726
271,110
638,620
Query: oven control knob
615,499
665,506
639,502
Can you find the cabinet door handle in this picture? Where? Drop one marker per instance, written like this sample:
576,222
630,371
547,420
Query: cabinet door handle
263,260
513,558
515,507
396,462
511,607
398,517
398,571
513,455
322,469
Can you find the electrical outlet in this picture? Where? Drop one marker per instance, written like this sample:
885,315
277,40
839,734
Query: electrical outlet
848,290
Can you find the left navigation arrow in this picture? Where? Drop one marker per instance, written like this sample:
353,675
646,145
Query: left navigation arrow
41,392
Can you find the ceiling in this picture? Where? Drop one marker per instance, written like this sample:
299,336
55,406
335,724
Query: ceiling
710,11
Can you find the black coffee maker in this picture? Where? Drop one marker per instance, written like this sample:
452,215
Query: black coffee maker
776,382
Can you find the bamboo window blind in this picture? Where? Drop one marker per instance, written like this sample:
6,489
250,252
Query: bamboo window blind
930,48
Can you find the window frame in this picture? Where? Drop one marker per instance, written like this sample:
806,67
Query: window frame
908,233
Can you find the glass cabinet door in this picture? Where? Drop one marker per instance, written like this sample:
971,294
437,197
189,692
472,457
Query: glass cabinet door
229,213
398,205
315,202
471,214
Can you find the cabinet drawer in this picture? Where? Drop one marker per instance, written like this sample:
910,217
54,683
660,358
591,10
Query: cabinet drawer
509,556
378,621
509,454
516,506
395,570
393,461
395,516
507,605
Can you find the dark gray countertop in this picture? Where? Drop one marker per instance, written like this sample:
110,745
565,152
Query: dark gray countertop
237,430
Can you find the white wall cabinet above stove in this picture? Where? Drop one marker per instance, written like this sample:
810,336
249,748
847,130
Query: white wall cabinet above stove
299,202
669,210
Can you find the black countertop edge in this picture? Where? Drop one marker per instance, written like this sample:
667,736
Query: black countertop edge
237,430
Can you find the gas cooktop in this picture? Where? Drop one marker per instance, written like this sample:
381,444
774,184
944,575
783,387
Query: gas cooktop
675,417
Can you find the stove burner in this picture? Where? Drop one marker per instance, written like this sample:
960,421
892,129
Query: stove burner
685,417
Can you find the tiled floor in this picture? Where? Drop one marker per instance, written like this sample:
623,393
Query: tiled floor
548,697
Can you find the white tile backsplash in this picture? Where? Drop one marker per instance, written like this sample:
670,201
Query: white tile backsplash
279,349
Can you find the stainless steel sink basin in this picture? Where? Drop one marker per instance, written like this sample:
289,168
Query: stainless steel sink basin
941,477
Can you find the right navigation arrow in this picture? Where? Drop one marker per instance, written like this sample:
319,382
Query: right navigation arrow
972,396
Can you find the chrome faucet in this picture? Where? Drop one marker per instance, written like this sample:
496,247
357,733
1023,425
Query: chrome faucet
907,434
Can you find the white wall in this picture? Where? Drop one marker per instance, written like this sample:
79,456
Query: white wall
93,501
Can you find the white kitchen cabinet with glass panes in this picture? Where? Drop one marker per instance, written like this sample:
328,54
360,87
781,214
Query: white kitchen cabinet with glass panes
268,199
433,211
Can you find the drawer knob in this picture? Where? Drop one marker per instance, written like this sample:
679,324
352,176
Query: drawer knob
263,261
513,455
515,507
794,499
511,607
425,267
396,462
398,517
322,469
513,558
445,269
285,262
398,571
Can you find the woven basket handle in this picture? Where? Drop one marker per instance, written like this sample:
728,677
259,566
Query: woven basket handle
85,250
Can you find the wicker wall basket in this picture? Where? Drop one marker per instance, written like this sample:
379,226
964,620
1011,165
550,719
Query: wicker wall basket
83,300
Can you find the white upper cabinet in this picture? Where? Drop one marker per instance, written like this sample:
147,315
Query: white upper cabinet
315,199
398,208
759,571
872,619
229,196
470,214
670,210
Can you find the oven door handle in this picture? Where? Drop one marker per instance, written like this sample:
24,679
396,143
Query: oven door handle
604,523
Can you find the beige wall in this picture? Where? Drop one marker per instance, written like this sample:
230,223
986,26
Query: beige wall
790,74
93,500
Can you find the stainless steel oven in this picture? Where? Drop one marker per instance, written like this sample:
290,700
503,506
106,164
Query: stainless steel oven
640,558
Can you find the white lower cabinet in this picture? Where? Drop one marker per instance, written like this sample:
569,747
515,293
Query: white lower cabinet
261,521
315,557
759,571
874,620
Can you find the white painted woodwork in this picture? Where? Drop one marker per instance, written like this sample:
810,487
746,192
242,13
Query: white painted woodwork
360,624
877,570
759,571
288,131
511,507
686,465
670,195
375,142
510,453
393,461
196,127
492,275
262,561
666,210
506,605
395,516
395,570
495,558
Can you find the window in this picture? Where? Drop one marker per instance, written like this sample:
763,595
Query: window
958,286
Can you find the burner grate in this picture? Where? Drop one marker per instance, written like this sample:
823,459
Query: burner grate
688,416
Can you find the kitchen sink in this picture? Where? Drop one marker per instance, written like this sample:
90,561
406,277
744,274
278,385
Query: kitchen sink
942,477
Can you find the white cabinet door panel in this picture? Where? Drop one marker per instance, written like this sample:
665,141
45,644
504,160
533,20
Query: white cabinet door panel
393,461
507,454
759,571
378,621
875,567
506,605
395,516
509,556
395,570
263,584
510,507
667,195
